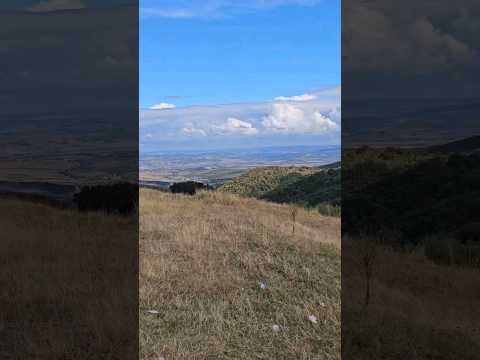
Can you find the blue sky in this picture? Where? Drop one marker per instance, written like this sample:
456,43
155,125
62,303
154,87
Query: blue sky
232,73
217,52
227,73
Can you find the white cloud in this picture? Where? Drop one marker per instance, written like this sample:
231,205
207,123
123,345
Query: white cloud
289,118
237,126
167,13
57,5
317,121
190,131
163,106
299,98
284,117
421,44
322,123
215,9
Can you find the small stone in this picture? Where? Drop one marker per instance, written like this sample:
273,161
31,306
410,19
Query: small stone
312,319
153,311
276,328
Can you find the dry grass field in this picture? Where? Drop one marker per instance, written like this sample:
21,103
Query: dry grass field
223,277
68,283
417,309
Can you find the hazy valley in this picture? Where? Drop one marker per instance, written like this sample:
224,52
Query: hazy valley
218,166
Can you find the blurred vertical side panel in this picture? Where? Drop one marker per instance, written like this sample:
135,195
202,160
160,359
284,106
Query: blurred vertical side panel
68,179
411,180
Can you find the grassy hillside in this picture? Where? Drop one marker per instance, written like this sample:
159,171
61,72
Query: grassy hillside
311,190
203,258
402,208
66,279
413,193
301,185
417,310
260,181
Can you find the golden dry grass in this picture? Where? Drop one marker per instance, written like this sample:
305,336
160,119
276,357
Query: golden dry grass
201,261
68,284
418,309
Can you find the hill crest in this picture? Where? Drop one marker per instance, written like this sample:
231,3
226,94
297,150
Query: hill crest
308,186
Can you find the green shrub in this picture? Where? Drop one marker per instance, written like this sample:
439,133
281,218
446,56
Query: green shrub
451,251
330,210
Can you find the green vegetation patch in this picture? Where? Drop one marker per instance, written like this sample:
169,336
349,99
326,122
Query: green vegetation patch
306,186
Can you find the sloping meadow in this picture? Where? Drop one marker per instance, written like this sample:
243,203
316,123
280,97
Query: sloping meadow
237,278
69,283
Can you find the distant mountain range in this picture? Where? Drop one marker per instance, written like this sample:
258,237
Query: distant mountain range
409,122
467,145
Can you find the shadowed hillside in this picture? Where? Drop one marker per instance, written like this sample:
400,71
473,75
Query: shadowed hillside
410,252
311,190
412,193
306,186
225,277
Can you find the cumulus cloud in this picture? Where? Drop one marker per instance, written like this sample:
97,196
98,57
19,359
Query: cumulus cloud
314,122
438,49
237,126
386,36
299,98
232,126
411,48
56,5
322,123
284,117
162,106
289,118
